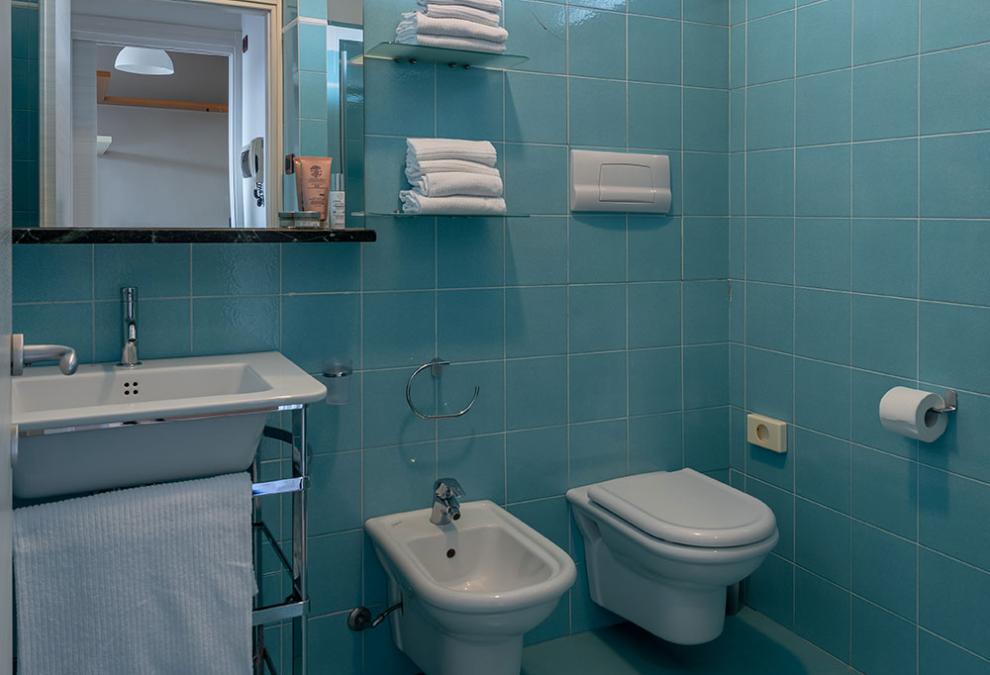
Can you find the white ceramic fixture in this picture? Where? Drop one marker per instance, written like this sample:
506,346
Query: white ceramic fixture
662,548
144,61
169,419
470,589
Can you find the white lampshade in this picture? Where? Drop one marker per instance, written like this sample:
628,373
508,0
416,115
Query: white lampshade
144,61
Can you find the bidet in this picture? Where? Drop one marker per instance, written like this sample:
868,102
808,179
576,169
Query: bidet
468,589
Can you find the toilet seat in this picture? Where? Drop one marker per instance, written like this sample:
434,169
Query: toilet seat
686,508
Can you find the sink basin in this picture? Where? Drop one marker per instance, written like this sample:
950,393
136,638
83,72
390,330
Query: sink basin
469,590
169,419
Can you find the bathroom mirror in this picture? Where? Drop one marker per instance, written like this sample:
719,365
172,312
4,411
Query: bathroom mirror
147,113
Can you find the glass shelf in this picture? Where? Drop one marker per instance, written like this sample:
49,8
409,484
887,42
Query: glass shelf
400,214
451,57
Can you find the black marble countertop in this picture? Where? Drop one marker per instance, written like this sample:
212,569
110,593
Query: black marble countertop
59,235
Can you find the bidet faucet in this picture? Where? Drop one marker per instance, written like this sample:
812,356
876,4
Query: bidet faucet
445,505
129,352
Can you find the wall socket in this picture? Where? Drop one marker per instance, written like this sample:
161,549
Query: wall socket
766,432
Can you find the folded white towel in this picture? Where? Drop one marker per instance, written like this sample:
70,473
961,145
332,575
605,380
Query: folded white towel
415,203
463,12
417,171
427,149
486,5
466,44
421,24
463,184
155,579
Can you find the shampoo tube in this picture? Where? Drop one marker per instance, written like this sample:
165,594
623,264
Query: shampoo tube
313,184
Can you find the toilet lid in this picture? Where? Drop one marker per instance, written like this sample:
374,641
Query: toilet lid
686,507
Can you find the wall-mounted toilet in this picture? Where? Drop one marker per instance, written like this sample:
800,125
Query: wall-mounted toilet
662,547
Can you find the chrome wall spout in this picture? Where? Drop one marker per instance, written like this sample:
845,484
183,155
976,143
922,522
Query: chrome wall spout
24,355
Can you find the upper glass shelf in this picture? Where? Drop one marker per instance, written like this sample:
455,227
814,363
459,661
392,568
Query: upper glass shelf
400,214
451,57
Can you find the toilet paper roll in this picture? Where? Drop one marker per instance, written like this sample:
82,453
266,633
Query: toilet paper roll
910,412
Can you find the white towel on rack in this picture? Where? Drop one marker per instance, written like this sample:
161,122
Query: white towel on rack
154,580
415,203
452,183
494,6
429,149
465,44
420,24
438,11
417,171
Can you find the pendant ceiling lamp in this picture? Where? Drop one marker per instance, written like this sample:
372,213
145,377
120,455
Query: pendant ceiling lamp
144,61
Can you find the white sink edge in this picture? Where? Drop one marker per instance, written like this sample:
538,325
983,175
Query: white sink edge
290,385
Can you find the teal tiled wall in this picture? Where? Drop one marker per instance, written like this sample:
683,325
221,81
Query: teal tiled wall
600,342
24,113
859,144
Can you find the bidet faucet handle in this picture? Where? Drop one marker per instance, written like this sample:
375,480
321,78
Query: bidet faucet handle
447,488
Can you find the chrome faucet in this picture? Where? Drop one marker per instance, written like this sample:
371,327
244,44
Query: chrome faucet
24,355
129,352
446,508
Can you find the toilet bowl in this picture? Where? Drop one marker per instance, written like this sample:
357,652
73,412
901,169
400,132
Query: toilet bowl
469,589
662,547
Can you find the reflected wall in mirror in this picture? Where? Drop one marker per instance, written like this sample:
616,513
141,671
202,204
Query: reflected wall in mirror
345,99
147,113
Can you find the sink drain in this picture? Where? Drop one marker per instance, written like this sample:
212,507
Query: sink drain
451,553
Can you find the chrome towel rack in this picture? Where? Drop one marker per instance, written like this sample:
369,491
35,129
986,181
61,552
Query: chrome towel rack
436,369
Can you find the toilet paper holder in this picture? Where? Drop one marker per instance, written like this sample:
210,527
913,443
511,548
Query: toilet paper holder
951,401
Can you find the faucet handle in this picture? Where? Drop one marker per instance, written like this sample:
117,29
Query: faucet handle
445,488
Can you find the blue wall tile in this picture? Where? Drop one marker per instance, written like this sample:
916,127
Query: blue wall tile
885,179
539,30
770,116
706,119
953,171
536,463
597,43
535,108
885,491
598,113
822,544
53,273
536,392
821,325
823,108
950,601
770,50
821,613
952,510
705,55
822,468
824,36
536,321
654,116
885,29
884,569
947,24
936,655
883,331
884,257
881,642
654,50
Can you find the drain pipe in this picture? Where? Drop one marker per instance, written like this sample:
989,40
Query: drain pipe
360,618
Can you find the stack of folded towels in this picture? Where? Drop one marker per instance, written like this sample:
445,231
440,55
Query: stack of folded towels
471,25
452,177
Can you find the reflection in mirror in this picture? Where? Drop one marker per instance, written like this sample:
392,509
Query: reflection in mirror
345,102
146,114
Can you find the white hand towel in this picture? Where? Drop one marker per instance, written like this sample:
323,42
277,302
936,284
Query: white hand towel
417,171
486,5
463,12
428,149
464,184
472,30
415,203
149,580
465,44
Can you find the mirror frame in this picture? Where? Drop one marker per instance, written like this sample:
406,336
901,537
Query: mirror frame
55,137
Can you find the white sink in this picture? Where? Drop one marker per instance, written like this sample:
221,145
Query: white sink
469,590
169,419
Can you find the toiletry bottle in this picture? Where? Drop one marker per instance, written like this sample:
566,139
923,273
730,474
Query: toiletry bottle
338,203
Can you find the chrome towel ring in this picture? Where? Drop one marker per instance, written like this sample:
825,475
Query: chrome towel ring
436,368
